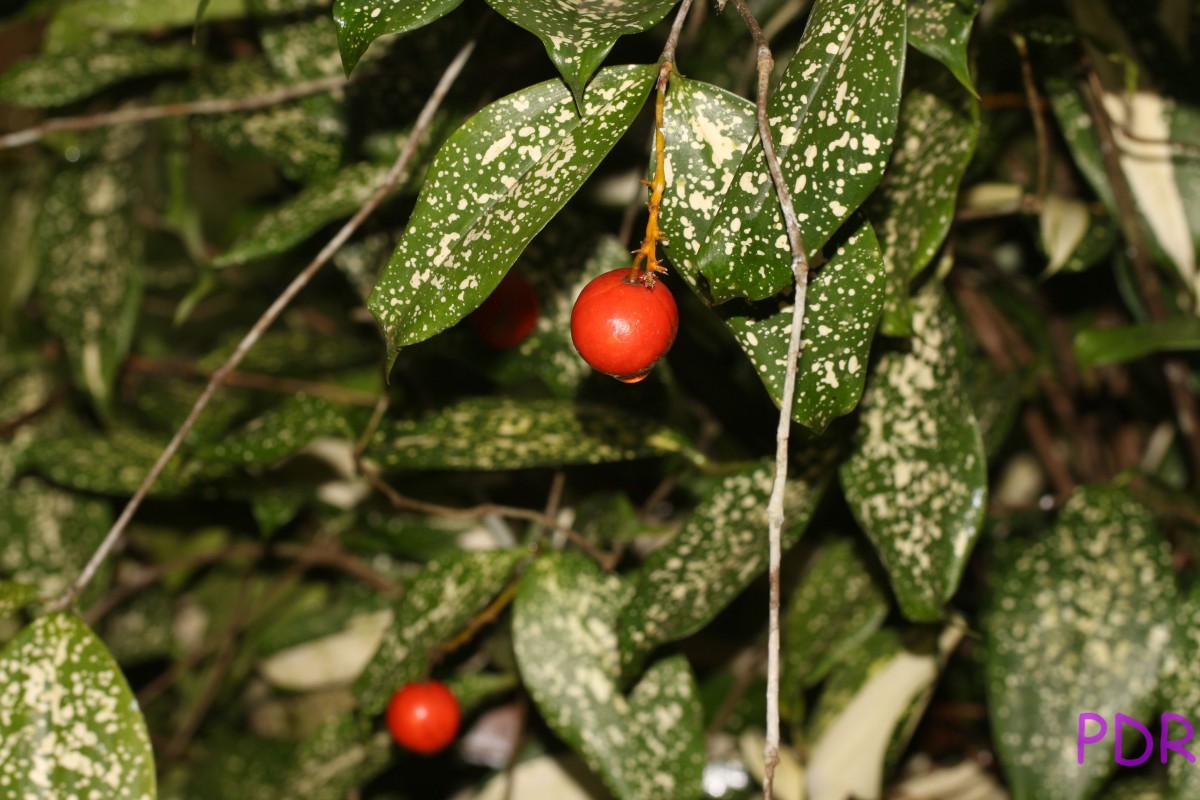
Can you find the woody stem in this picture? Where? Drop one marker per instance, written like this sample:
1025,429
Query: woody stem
647,254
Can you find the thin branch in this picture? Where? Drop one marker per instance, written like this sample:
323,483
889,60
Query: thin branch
126,116
50,403
775,512
1037,111
251,380
1175,369
397,170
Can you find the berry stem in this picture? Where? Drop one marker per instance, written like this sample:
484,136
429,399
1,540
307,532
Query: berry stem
645,260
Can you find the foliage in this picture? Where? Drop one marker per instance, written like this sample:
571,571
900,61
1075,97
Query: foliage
990,512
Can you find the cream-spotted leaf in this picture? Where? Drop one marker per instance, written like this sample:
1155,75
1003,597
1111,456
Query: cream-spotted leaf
302,51
83,22
493,433
47,535
439,602
845,298
361,22
721,549
55,79
1079,621
493,185
299,351
284,430
833,117
914,204
112,462
91,282
70,726
941,29
916,479
579,34
839,602
1180,689
647,746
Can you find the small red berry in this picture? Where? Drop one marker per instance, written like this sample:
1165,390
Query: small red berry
509,314
423,717
622,324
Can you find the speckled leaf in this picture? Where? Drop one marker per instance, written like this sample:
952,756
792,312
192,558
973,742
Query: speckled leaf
16,596
70,726
1079,621
55,79
501,433
845,298
871,706
721,549
91,283
299,351
941,29
302,51
439,603
834,117
280,432
707,130
578,34
304,136
493,185
649,746
361,22
84,21
114,462
290,223
917,478
1180,689
838,604
914,205
1095,347
47,535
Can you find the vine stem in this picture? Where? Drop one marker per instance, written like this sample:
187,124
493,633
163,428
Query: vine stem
126,116
217,379
775,512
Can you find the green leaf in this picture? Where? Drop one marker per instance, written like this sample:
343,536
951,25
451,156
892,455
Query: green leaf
1097,347
495,433
288,224
16,596
304,137
707,131
845,298
1072,236
1079,621
941,29
914,205
302,51
578,35
440,601
91,282
23,189
71,726
114,462
361,23
647,746
1181,688
281,432
870,708
836,607
299,351
84,22
917,478
493,185
717,554
47,535
834,119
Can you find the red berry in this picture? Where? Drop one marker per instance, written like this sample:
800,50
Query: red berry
622,324
423,717
509,314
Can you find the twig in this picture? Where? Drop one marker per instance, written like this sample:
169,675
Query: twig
1037,111
766,63
50,403
1175,369
605,560
251,380
126,116
269,316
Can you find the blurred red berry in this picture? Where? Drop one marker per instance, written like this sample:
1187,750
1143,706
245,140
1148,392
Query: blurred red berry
423,717
509,314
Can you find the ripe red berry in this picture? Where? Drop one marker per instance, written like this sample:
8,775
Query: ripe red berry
423,717
509,314
622,325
